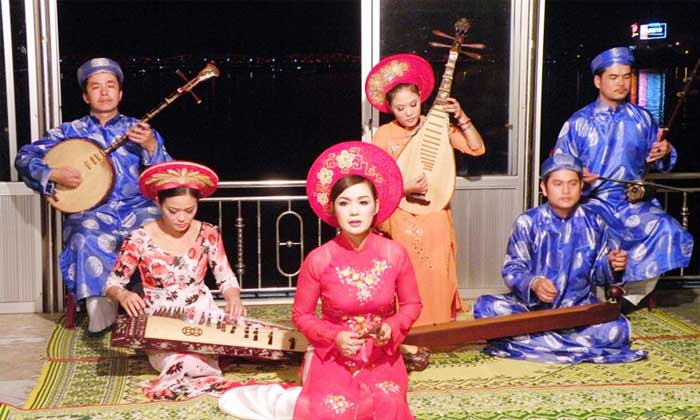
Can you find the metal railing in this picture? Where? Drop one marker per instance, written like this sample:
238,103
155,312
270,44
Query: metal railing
689,199
248,204
249,207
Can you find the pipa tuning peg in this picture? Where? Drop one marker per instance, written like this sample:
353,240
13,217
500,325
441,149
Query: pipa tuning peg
474,46
442,34
439,45
471,55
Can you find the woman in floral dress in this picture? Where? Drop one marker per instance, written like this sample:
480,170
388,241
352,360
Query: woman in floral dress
172,255
369,300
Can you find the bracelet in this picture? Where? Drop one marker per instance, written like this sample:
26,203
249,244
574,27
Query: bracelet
465,125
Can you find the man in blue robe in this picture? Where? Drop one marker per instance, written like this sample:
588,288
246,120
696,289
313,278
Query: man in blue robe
557,254
93,237
616,139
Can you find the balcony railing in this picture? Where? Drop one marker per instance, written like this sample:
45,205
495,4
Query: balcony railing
683,202
272,227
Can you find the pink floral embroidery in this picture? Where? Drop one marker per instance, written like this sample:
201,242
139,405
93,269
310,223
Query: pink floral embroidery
388,386
338,403
366,281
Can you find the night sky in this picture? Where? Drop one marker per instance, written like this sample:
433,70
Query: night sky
578,30
323,111
169,28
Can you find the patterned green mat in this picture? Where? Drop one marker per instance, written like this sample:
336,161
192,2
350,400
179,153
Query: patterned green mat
85,379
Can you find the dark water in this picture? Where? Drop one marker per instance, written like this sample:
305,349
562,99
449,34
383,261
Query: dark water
568,88
253,123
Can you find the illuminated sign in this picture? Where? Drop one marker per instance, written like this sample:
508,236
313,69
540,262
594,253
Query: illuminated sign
652,31
634,28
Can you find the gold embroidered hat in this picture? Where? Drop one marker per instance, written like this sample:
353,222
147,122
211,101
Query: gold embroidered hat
354,158
177,173
396,69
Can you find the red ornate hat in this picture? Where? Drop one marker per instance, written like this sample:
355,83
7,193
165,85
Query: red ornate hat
395,69
177,173
354,158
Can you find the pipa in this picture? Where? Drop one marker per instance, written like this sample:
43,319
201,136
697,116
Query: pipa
429,152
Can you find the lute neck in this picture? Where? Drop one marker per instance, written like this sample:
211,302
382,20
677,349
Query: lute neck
446,82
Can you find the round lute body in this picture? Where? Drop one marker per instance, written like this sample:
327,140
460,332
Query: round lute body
96,173
96,170
430,152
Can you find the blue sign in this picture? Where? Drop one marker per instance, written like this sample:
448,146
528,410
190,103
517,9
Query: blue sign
652,31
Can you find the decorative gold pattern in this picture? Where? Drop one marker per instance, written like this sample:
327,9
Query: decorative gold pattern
192,331
179,176
383,77
416,234
345,160
325,176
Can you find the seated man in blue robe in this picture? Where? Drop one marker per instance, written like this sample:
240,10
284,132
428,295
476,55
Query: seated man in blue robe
557,254
92,238
616,139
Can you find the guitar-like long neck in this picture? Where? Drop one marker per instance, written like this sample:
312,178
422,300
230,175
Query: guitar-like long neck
117,143
446,82
207,72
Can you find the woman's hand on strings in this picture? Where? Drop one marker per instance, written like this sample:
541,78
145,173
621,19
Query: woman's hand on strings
234,306
452,106
418,185
132,303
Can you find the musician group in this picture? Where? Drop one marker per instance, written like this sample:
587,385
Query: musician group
387,269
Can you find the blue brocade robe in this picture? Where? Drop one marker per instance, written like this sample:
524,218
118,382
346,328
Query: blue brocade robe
93,237
615,144
573,254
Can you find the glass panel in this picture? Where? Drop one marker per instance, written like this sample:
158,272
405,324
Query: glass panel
289,88
289,80
18,44
481,87
4,128
663,64
20,65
